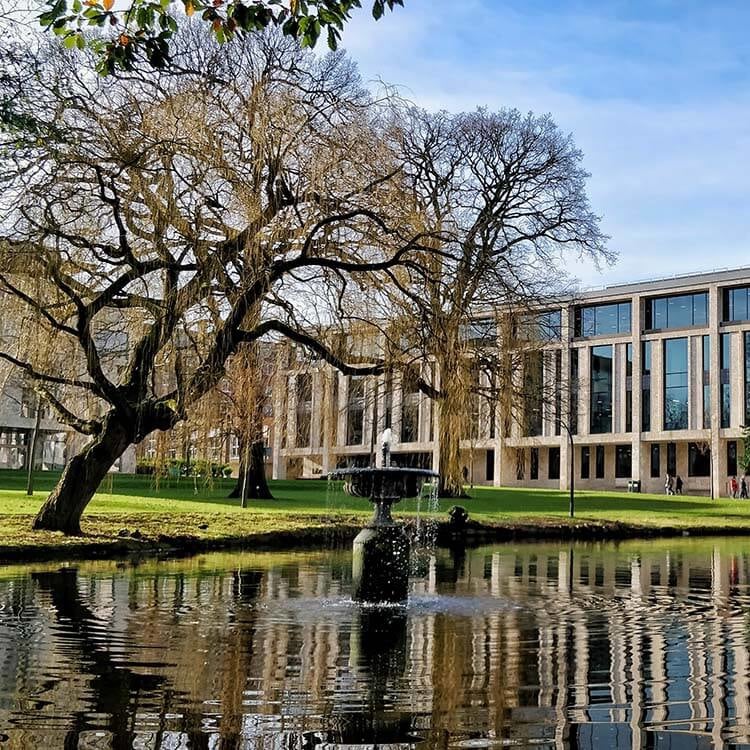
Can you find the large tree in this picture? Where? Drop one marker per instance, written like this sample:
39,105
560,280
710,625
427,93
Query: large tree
507,193
154,222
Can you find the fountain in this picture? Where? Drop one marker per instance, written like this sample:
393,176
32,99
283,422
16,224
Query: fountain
380,567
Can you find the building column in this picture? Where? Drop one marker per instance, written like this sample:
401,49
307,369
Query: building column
636,326
278,460
565,396
714,315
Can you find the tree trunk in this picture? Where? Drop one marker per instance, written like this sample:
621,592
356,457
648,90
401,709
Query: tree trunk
81,478
252,474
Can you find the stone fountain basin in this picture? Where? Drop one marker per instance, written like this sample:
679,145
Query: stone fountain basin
392,482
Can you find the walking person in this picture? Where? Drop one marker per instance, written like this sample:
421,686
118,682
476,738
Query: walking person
669,485
743,488
733,488
678,485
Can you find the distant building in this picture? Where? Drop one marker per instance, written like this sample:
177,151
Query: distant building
652,379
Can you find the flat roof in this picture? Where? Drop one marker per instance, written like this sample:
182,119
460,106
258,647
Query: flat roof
669,283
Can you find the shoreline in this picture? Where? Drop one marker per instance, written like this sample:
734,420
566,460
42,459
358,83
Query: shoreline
305,532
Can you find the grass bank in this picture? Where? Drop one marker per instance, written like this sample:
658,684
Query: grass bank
133,513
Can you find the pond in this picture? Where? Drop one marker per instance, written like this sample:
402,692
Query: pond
641,644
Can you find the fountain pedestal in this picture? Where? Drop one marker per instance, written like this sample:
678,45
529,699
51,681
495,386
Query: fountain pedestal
380,567
380,558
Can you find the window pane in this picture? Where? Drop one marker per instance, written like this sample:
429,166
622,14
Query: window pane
624,317
660,313
699,460
672,459
700,309
600,462
623,461
655,461
601,389
553,466
675,384
680,311
606,319
585,459
588,322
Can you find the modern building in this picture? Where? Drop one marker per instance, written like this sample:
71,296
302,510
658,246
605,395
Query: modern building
18,405
647,379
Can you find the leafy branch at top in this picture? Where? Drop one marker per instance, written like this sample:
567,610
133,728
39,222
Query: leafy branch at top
144,28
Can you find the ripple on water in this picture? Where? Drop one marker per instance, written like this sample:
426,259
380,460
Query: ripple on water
507,646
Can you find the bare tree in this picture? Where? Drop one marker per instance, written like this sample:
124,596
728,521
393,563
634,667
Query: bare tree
507,193
174,216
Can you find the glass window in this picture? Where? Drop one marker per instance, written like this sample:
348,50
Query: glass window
558,391
585,461
623,461
601,389
544,326
533,391
520,463
553,465
672,459
355,411
736,304
646,386
479,331
676,384
747,377
725,375
602,320
655,460
573,392
732,458
600,462
628,388
679,311
706,382
534,464
304,409
699,460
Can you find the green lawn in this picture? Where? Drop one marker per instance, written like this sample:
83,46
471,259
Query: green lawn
200,510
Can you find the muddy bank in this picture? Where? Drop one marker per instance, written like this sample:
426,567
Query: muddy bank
139,537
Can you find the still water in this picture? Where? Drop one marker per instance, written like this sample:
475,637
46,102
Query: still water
641,644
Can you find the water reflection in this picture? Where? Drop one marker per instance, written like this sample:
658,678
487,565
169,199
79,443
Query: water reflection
639,646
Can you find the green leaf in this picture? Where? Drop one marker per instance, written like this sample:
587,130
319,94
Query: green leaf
333,42
377,9
69,41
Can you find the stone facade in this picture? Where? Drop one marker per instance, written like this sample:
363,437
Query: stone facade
661,387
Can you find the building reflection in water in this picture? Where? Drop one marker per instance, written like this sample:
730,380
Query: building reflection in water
638,646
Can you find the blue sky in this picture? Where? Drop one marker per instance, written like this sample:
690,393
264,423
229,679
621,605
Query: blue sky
655,92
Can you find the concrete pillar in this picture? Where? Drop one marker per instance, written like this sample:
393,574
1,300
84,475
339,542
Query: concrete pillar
714,316
278,459
636,445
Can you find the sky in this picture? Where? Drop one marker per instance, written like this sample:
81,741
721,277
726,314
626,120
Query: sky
655,92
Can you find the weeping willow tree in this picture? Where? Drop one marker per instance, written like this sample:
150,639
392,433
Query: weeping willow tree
506,192
225,197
